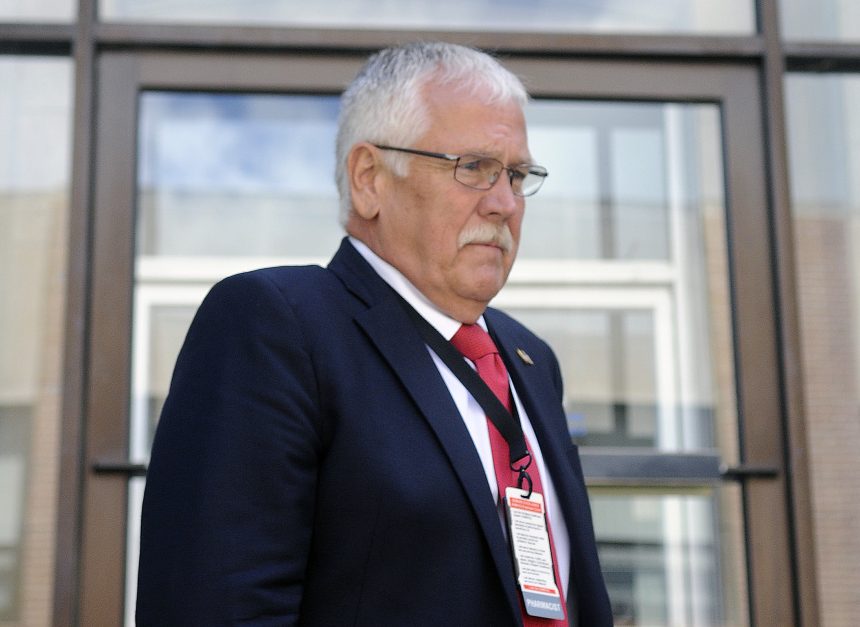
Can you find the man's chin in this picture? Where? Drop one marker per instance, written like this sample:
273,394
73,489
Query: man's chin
489,256
484,286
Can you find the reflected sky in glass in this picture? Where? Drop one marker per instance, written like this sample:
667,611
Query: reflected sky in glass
238,142
237,175
253,174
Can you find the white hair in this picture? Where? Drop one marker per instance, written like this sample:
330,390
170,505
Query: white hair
384,104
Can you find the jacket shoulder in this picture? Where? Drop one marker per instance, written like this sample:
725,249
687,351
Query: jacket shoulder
294,285
279,277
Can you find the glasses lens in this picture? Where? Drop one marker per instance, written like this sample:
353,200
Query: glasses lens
528,179
477,172
483,172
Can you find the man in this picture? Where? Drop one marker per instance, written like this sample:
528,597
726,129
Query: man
321,459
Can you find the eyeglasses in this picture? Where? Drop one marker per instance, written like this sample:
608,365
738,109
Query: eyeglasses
480,172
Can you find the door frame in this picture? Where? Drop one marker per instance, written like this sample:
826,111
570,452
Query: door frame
123,75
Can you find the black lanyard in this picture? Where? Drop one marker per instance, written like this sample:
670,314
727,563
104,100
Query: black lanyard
507,424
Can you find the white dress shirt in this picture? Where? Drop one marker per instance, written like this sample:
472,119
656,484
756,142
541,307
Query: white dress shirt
472,413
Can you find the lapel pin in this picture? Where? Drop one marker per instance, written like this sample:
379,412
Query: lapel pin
525,357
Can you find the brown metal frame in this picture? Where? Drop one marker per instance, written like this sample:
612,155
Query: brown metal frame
69,513
794,440
736,88
762,56
123,75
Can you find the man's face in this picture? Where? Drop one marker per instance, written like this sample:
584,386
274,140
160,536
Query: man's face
454,243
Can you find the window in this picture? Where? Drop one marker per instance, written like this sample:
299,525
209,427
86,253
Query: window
823,113
659,16
35,111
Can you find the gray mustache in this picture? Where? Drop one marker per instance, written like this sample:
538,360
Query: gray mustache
496,234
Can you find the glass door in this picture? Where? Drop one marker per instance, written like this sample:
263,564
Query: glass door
624,269
225,183
643,263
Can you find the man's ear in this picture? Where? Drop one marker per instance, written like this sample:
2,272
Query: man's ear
365,168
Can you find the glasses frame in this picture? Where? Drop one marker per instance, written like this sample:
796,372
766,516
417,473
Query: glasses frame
536,170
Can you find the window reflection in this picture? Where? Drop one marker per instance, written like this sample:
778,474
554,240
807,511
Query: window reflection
237,175
671,558
168,325
823,20
609,365
657,16
620,174
629,230
226,183
37,10
622,269
823,123
35,111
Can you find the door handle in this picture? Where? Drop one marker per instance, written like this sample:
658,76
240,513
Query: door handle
742,472
129,469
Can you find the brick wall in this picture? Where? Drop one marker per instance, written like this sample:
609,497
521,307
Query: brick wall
827,290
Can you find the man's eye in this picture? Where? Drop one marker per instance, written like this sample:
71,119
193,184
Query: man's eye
518,175
473,165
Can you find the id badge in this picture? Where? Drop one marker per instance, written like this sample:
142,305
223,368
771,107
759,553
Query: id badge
532,554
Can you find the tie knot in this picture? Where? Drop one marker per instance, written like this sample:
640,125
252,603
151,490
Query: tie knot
473,342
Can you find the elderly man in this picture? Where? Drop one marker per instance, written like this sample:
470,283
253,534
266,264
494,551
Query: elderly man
349,445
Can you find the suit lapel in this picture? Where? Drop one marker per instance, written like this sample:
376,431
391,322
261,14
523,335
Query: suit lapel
393,333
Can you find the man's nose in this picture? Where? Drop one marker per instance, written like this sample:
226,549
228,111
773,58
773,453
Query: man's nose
500,198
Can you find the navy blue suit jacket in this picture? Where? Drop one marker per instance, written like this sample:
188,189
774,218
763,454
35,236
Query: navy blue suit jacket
310,467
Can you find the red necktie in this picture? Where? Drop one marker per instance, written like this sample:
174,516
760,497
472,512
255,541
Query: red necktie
476,345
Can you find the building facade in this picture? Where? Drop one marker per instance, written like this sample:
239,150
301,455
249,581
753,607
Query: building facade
691,258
